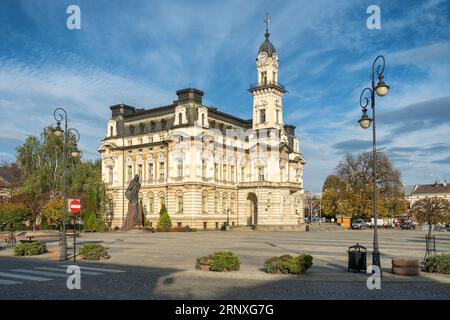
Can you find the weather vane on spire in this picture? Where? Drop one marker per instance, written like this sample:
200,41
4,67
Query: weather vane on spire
267,22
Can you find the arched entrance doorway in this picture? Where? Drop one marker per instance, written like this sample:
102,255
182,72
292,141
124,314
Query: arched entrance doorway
252,209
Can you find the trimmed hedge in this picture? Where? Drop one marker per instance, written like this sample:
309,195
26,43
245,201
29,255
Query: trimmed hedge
219,261
438,264
288,264
33,248
92,251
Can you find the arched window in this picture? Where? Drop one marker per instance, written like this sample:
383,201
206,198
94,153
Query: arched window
151,203
162,200
217,202
233,203
205,202
179,202
180,118
224,202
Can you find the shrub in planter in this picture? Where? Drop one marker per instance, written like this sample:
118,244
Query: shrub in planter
438,264
92,251
33,248
203,262
224,261
277,264
288,264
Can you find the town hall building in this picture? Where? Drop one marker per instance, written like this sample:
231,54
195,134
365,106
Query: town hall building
206,166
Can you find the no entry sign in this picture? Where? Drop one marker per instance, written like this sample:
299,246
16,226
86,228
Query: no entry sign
75,206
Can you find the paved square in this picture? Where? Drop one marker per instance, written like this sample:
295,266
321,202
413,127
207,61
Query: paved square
161,266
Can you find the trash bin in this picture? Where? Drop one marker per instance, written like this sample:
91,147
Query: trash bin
357,258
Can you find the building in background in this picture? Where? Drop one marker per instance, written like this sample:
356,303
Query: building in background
421,191
206,166
6,190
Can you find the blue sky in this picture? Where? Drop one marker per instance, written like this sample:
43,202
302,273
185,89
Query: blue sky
141,52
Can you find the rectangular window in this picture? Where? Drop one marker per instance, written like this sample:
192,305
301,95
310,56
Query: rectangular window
161,171
205,225
242,174
224,172
178,224
111,175
140,171
129,173
232,173
216,171
130,142
204,168
264,78
278,115
150,172
180,169
262,116
261,173
140,141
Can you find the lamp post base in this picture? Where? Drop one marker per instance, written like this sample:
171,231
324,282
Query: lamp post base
376,261
63,251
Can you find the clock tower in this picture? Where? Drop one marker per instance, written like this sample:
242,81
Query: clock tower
267,92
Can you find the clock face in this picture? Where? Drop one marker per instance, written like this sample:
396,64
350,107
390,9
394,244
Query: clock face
262,56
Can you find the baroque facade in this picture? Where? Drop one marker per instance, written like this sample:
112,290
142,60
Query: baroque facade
206,166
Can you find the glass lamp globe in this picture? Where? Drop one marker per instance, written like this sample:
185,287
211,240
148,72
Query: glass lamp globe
364,122
382,88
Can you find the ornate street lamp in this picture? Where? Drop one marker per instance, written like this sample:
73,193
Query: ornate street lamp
366,99
68,134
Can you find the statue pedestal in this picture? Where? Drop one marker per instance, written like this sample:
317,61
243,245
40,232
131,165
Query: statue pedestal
130,221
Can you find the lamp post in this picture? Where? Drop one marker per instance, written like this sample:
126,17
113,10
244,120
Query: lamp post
367,98
68,133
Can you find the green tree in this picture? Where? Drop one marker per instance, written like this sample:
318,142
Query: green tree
53,209
41,163
431,211
357,197
164,218
14,213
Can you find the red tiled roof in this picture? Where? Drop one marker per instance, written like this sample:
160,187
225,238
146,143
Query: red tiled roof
432,188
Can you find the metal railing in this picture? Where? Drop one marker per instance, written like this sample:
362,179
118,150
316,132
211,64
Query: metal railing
267,83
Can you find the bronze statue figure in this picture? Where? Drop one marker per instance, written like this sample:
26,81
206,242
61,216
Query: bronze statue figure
132,194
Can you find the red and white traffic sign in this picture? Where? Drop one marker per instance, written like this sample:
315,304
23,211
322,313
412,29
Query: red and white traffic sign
75,205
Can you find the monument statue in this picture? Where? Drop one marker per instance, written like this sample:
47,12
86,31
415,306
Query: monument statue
134,216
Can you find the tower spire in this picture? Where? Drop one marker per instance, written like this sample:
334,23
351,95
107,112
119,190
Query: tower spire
267,21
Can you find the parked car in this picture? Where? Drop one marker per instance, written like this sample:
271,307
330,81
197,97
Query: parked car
408,225
359,224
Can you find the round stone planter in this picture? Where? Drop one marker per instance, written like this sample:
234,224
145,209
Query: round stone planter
405,267
204,266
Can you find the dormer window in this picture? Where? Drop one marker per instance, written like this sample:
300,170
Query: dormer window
203,119
111,131
180,118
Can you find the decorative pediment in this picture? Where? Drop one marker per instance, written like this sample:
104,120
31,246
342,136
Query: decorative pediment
107,146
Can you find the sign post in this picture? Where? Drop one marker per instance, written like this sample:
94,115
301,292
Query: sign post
74,207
